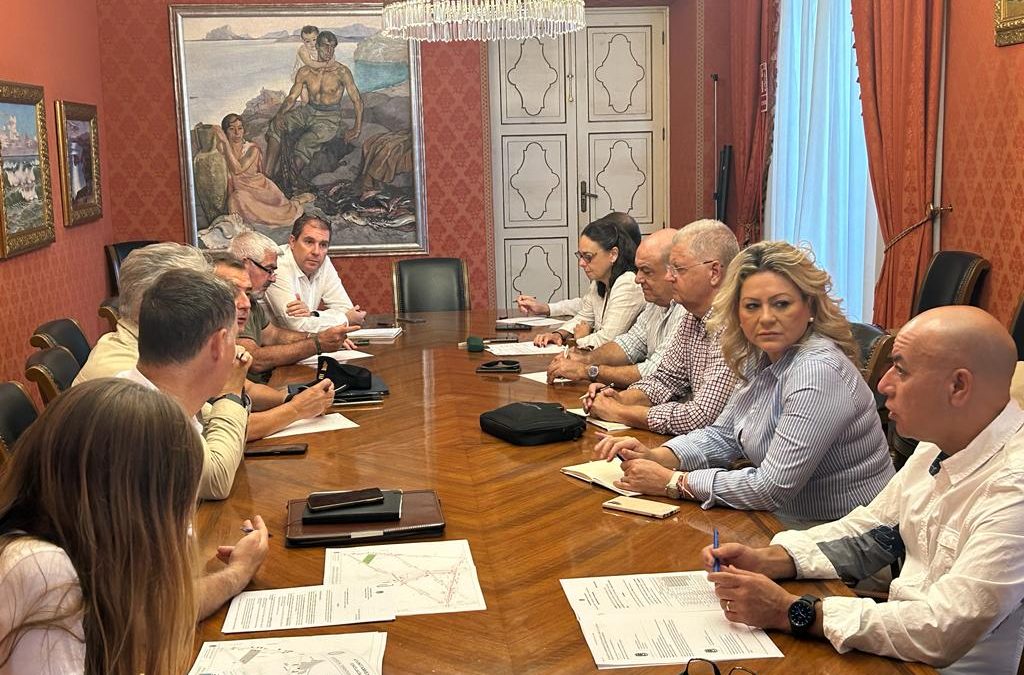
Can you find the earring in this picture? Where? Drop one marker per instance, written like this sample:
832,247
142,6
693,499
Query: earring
811,320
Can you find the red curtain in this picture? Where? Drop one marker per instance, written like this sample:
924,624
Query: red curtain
899,54
754,46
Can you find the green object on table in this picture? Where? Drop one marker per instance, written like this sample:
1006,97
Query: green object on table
474,344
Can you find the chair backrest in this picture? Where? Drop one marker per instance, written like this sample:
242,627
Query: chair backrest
430,285
53,370
952,278
63,333
875,346
1017,328
116,253
16,414
109,312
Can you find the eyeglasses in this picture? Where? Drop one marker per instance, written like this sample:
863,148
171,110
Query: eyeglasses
269,270
679,271
585,257
705,667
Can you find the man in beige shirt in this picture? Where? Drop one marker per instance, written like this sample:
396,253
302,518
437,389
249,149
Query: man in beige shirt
187,331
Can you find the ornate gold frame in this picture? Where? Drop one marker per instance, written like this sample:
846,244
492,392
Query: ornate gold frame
1009,22
93,209
39,235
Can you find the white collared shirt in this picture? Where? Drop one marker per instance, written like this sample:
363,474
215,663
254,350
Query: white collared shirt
325,286
958,599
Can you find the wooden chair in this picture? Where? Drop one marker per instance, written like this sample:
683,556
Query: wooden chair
63,333
53,370
108,312
430,285
116,253
17,412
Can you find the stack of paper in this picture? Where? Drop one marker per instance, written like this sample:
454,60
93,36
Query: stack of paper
660,619
530,321
348,653
603,424
376,334
542,377
315,425
340,355
521,349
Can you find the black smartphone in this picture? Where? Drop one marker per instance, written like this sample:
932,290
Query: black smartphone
338,499
270,450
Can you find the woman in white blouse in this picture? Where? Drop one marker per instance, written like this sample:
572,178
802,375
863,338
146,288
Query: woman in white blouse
614,300
96,560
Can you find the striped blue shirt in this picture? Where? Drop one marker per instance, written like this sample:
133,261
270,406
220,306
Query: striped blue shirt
808,424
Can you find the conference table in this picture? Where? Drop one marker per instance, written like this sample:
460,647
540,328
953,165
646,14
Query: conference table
528,525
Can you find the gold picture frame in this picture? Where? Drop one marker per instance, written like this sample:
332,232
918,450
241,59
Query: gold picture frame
1009,22
26,203
81,194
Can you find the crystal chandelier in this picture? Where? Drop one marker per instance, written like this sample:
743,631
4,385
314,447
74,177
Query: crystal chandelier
447,20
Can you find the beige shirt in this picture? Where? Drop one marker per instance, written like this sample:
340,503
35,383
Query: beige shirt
611,315
221,426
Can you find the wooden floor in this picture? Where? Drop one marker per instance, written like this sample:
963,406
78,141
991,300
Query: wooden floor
528,525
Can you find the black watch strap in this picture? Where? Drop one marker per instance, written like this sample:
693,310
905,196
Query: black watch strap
242,400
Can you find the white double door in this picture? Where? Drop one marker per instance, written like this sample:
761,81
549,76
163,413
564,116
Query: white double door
579,128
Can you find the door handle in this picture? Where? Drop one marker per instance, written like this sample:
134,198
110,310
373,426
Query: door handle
584,196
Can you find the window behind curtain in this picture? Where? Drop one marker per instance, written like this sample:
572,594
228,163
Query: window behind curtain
819,192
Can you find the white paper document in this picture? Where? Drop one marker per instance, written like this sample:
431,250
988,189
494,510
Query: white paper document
371,334
328,422
657,619
603,424
542,377
346,654
530,321
521,349
419,578
306,607
340,355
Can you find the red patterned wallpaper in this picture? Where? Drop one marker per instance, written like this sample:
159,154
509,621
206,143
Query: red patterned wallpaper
67,278
135,52
983,153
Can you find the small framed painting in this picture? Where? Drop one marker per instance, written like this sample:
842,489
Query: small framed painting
1009,22
79,154
26,206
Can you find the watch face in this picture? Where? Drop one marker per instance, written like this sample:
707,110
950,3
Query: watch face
801,613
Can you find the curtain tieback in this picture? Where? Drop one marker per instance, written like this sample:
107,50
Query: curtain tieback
932,212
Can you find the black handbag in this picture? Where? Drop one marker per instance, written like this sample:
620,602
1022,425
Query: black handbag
532,423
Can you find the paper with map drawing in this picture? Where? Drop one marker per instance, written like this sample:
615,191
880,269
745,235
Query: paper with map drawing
348,654
421,578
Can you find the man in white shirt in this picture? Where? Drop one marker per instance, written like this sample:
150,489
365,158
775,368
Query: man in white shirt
955,511
308,294
637,352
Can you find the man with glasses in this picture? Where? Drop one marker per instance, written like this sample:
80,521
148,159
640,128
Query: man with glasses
692,384
270,345
637,352
954,513
307,294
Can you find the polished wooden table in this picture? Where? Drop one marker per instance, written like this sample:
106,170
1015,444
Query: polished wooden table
528,525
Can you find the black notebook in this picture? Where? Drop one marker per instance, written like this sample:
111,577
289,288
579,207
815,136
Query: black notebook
389,509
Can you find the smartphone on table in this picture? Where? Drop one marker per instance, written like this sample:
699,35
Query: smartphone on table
337,499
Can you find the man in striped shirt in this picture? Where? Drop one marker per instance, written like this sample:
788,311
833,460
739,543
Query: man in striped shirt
637,352
692,384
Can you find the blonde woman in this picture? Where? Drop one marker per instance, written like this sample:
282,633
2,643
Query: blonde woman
97,570
802,416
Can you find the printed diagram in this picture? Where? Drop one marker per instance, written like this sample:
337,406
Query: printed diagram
349,654
420,578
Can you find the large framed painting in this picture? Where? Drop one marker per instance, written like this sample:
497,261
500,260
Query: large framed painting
26,206
285,109
1009,22
79,153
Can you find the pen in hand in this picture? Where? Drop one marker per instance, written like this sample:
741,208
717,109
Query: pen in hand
717,566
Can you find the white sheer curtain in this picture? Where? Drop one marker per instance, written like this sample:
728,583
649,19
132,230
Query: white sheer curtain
818,187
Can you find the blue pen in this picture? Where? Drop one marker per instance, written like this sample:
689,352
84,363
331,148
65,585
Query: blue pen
717,567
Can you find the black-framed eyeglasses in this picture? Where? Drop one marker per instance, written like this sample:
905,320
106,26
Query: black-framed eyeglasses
678,270
269,270
705,667
585,257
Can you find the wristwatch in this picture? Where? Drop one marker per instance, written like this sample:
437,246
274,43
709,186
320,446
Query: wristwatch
802,614
242,400
592,372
